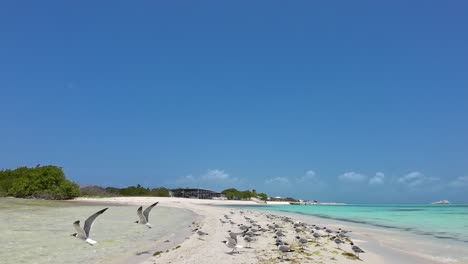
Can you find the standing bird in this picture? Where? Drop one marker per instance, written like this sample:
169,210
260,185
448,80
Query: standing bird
357,250
83,233
144,216
284,249
303,241
231,243
248,240
338,242
201,234
234,235
316,235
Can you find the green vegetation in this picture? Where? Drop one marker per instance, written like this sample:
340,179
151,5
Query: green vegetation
128,191
350,255
234,194
141,191
47,182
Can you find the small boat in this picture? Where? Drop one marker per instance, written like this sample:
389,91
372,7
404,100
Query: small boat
441,202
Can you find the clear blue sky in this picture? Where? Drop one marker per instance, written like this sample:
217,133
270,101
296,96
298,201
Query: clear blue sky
332,100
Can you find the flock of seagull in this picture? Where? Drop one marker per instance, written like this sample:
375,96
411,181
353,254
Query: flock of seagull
304,234
83,233
249,231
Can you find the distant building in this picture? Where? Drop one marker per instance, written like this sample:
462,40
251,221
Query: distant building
195,193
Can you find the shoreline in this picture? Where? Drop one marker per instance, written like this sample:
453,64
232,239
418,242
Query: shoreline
381,245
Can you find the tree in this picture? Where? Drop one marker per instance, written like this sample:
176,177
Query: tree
233,193
263,196
160,192
47,182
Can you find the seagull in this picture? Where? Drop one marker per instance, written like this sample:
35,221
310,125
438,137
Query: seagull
234,235
284,249
316,235
357,250
201,233
248,240
144,216
231,243
83,233
338,242
303,241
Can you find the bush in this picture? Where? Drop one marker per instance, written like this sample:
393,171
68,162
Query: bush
234,194
47,182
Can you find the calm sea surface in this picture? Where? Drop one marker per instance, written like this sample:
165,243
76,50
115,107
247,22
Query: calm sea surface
439,221
37,231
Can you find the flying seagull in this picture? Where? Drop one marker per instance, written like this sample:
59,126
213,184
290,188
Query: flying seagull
83,233
144,215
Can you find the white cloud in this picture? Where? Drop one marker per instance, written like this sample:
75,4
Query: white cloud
215,175
209,176
416,178
377,179
279,180
352,177
461,181
188,178
309,175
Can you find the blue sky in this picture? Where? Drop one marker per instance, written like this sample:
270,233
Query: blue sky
337,101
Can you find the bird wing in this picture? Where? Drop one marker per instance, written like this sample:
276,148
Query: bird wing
231,243
147,210
89,222
80,232
233,236
141,216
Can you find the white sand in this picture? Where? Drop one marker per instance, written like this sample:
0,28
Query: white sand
209,249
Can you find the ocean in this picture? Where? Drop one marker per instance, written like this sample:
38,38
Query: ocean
448,222
437,233
38,231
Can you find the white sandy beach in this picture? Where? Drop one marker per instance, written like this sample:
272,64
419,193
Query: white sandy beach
378,245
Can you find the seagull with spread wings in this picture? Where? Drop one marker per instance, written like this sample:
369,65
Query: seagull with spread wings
83,233
144,215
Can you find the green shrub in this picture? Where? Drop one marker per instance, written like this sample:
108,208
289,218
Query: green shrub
47,182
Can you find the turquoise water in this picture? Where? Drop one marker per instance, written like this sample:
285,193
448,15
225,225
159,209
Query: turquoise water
38,231
439,221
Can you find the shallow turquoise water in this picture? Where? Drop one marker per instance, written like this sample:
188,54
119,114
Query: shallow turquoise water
439,221
38,231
